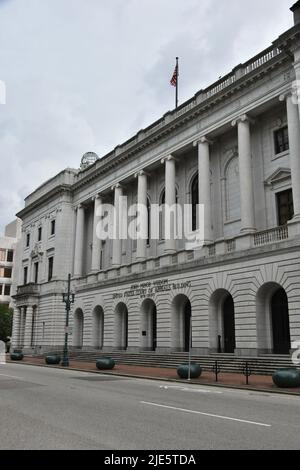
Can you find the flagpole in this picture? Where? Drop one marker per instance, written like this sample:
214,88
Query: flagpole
177,75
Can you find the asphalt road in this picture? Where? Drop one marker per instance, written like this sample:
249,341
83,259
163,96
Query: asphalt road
42,408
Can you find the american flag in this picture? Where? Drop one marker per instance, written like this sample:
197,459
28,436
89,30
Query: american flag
175,77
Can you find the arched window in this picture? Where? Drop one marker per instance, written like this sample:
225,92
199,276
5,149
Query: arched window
195,201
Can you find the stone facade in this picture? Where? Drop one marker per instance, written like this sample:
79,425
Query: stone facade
241,292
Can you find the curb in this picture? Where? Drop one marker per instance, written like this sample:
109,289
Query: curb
165,379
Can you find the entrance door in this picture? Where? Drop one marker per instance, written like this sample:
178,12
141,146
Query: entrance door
187,326
154,328
229,326
125,326
280,323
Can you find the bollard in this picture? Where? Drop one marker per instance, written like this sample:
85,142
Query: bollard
247,372
216,370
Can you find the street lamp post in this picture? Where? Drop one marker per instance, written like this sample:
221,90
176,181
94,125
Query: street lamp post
68,299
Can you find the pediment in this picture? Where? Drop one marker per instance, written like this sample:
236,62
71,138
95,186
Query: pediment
280,175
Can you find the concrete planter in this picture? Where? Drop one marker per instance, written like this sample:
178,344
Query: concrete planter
105,363
287,378
54,359
17,356
183,371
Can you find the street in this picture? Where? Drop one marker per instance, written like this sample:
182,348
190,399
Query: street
44,408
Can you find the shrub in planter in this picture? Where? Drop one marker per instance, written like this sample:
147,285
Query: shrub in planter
16,356
105,363
183,371
53,359
287,378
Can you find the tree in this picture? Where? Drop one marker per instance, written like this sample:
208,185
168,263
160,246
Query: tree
6,319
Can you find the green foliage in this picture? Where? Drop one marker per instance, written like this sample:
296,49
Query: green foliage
6,319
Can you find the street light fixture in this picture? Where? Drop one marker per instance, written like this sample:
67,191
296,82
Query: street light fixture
68,299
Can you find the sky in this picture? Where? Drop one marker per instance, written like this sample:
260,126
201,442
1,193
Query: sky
86,75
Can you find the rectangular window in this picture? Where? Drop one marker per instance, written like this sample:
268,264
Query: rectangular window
10,256
7,272
39,234
1,272
281,138
27,240
2,255
285,207
36,273
50,268
52,227
7,289
25,277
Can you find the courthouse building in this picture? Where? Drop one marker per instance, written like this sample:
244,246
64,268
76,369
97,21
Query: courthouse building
234,147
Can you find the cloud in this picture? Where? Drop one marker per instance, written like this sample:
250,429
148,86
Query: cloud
85,75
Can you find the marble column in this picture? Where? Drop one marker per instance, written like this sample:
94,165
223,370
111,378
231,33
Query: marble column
141,252
294,144
22,326
16,327
204,185
28,327
245,169
79,238
97,242
117,239
170,202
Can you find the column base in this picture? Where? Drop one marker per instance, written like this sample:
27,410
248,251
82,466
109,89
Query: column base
248,230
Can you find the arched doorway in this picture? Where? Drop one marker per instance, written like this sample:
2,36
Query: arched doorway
98,327
222,322
181,323
229,325
148,325
78,328
121,327
272,320
280,323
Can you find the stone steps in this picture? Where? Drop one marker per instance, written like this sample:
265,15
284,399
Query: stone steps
263,365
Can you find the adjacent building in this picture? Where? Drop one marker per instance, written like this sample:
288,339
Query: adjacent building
8,247
234,147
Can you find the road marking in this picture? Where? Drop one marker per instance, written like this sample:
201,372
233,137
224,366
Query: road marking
206,414
11,376
192,390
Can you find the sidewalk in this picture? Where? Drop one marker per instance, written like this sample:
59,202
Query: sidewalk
256,382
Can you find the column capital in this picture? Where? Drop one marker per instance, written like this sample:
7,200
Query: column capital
98,197
78,206
242,118
168,158
141,173
117,186
202,140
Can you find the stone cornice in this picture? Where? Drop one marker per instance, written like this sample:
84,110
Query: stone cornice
189,111
43,199
266,251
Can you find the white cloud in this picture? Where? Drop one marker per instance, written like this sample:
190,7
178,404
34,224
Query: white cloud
86,75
